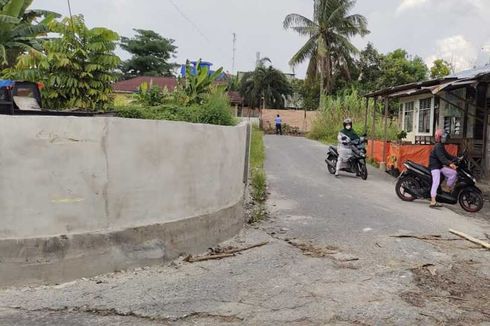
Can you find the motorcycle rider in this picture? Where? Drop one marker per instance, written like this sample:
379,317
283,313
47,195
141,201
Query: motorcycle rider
441,162
345,137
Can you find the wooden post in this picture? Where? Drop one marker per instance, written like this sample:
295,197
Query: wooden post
465,119
485,135
382,165
366,116
373,131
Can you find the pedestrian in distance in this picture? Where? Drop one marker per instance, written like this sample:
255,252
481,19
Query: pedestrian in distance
278,121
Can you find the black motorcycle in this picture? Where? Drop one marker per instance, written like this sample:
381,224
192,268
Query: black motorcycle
356,164
416,182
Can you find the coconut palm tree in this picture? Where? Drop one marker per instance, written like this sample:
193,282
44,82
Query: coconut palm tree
328,48
265,85
19,29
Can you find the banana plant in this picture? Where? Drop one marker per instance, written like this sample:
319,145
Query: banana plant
20,29
198,83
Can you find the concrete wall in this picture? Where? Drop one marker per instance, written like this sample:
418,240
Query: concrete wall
62,177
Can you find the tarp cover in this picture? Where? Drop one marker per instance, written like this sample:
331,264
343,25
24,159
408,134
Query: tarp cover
6,83
397,154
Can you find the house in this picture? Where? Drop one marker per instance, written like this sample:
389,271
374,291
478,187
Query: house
459,104
132,85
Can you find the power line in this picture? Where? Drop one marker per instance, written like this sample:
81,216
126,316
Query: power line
194,25
189,20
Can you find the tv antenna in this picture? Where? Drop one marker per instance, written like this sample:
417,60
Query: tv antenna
234,54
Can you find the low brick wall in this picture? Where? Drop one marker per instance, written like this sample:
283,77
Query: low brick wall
293,118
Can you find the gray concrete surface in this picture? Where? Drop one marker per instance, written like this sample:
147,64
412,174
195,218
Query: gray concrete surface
331,259
73,187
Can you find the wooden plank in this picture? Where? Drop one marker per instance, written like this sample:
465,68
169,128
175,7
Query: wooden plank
471,239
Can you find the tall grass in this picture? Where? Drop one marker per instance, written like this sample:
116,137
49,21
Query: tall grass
350,104
257,158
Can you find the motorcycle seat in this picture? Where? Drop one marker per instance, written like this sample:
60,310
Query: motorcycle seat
419,167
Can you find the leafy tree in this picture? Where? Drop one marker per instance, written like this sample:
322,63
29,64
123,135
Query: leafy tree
328,48
370,66
398,69
440,69
151,54
19,29
265,83
77,68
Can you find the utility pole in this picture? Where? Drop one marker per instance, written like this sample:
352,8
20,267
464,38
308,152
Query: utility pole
234,55
257,62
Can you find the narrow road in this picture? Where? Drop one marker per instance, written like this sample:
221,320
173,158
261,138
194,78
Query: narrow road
331,259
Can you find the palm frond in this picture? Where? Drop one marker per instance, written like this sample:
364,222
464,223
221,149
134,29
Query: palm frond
306,51
297,20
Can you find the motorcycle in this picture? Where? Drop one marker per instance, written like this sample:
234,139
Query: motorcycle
356,163
416,182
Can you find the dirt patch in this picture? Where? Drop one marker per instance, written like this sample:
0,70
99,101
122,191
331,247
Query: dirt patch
461,285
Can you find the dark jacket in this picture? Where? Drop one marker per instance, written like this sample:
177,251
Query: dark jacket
439,157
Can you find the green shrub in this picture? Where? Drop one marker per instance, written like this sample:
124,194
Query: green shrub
257,158
330,119
215,110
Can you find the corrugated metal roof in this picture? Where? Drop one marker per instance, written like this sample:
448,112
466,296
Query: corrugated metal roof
472,73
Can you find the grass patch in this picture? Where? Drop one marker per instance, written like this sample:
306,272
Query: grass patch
257,159
258,180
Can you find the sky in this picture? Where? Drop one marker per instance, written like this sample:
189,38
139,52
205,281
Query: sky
455,30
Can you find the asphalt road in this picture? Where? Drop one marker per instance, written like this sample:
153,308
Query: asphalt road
331,259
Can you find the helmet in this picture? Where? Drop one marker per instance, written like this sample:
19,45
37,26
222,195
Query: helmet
347,121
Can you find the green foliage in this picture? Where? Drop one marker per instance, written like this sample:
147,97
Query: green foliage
265,83
350,104
20,29
399,68
151,95
196,86
401,135
309,92
77,68
370,66
257,159
328,49
215,109
440,69
151,54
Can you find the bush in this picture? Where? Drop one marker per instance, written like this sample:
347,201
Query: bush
215,110
350,104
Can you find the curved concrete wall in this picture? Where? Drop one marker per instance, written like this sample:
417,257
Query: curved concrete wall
63,177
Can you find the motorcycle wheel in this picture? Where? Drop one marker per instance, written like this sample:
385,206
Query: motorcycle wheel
331,168
471,200
363,171
406,182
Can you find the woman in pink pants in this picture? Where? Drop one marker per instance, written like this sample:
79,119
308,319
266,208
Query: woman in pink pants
441,162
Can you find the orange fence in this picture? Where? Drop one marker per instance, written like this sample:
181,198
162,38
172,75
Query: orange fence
397,154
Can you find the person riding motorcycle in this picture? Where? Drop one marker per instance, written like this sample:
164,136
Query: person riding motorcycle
345,137
441,162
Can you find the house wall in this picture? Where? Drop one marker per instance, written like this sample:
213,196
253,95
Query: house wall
416,99
293,118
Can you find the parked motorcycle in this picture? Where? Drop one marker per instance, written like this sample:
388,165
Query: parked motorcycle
416,182
356,164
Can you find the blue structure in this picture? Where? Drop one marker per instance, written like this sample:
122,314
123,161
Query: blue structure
6,83
203,64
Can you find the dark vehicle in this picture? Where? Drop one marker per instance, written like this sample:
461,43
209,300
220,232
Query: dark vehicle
356,164
416,182
24,98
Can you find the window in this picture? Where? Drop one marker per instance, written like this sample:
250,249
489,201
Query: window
408,117
425,111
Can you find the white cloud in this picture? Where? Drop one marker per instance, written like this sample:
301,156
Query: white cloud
410,4
456,50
